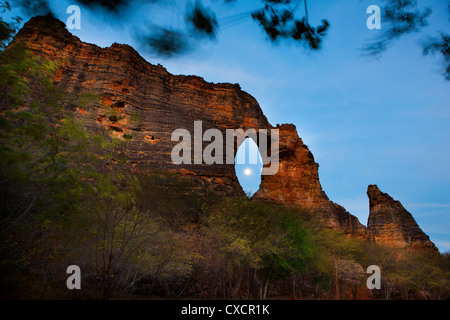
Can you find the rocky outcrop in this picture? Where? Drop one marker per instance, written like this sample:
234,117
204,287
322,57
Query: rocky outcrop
144,104
297,183
391,224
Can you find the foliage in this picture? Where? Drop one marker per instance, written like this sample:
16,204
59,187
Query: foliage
61,206
440,46
266,239
7,29
277,19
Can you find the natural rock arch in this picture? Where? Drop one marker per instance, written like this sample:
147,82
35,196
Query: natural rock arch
166,102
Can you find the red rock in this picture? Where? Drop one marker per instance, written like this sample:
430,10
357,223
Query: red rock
391,224
143,104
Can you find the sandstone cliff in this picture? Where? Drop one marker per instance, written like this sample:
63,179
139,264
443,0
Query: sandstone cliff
390,223
143,104
297,183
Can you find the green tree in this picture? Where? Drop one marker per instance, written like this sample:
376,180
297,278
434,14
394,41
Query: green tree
259,239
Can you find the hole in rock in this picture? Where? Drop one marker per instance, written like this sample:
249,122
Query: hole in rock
248,166
119,104
114,128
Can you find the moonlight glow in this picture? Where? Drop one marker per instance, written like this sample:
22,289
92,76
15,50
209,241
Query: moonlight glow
247,172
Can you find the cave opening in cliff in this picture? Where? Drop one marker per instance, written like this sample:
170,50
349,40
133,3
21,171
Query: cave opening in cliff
248,166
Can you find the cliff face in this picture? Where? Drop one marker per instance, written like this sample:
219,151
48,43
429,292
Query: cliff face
140,102
297,183
143,104
390,223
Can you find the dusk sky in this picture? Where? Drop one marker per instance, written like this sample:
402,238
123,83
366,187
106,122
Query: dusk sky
367,121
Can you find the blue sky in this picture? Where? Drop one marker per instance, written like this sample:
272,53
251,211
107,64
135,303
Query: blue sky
367,121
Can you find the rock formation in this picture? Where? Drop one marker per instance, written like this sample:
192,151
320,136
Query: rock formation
390,223
297,183
143,104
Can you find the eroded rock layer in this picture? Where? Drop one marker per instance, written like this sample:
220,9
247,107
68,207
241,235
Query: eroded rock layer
391,224
144,104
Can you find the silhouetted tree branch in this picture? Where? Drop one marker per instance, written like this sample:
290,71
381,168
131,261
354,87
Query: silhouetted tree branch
278,19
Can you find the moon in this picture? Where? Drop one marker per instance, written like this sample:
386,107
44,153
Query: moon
247,172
